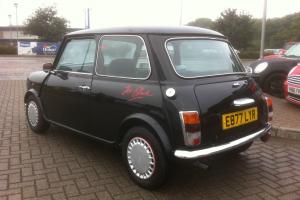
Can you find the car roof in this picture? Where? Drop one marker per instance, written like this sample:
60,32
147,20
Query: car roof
167,30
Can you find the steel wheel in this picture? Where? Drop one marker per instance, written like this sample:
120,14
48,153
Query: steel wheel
140,158
144,157
33,113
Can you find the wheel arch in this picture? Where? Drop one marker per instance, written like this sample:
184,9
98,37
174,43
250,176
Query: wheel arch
30,92
140,119
34,93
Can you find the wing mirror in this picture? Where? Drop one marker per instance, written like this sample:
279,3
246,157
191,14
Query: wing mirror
47,66
249,70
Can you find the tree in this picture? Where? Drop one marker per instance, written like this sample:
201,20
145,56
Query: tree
202,22
46,24
282,30
237,27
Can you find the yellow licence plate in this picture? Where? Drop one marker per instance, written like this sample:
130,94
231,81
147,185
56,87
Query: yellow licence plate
239,118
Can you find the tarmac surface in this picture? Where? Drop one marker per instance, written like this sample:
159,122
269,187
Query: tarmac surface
62,165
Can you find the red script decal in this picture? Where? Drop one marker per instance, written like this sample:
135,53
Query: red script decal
136,93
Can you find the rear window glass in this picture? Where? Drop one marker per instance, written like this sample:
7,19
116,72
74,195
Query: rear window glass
202,57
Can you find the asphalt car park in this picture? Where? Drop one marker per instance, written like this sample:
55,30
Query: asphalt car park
61,165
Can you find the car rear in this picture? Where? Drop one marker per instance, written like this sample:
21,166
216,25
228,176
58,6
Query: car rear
231,109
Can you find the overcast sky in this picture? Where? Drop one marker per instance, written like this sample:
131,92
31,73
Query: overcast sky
142,12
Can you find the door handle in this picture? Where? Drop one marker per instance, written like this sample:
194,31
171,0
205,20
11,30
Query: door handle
84,87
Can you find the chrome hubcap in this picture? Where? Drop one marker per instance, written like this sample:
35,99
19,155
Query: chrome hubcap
32,113
140,158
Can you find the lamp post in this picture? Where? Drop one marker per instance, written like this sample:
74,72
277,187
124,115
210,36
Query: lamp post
9,19
16,5
263,30
88,18
180,18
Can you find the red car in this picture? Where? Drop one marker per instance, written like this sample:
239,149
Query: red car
292,86
277,53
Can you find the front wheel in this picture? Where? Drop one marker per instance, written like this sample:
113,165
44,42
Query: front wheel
274,84
34,115
144,158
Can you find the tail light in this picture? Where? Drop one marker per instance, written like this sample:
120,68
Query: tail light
190,121
269,103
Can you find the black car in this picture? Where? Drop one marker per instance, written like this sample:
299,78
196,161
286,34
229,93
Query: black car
271,73
160,94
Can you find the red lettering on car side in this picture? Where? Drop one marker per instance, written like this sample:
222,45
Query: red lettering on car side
136,93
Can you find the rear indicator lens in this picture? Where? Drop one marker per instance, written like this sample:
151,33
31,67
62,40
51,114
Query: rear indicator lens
190,121
191,117
269,103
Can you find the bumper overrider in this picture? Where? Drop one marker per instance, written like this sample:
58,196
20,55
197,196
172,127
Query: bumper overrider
201,153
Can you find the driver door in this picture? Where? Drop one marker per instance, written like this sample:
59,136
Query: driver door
66,93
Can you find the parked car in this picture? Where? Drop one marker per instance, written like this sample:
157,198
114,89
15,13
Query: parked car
292,86
278,52
288,45
273,53
268,52
189,97
271,74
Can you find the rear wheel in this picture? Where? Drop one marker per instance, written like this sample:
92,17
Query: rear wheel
274,84
34,115
144,158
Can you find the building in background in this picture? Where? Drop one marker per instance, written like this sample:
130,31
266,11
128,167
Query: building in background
26,44
9,33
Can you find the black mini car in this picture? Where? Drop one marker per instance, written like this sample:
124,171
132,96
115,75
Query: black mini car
271,73
160,93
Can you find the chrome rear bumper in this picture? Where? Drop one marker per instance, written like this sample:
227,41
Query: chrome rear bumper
193,154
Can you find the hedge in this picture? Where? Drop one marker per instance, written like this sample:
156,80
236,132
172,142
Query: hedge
250,53
7,49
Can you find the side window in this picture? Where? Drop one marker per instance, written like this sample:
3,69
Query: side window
123,56
78,56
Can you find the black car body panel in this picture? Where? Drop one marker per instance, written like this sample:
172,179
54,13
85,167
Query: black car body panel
61,93
218,101
104,107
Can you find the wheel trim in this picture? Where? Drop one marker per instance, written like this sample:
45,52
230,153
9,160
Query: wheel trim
140,158
33,113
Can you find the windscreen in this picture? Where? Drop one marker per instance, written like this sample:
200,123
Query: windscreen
202,57
293,51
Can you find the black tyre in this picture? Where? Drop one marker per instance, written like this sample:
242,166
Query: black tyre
144,158
34,116
273,85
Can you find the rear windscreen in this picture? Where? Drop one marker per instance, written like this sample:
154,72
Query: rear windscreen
202,57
